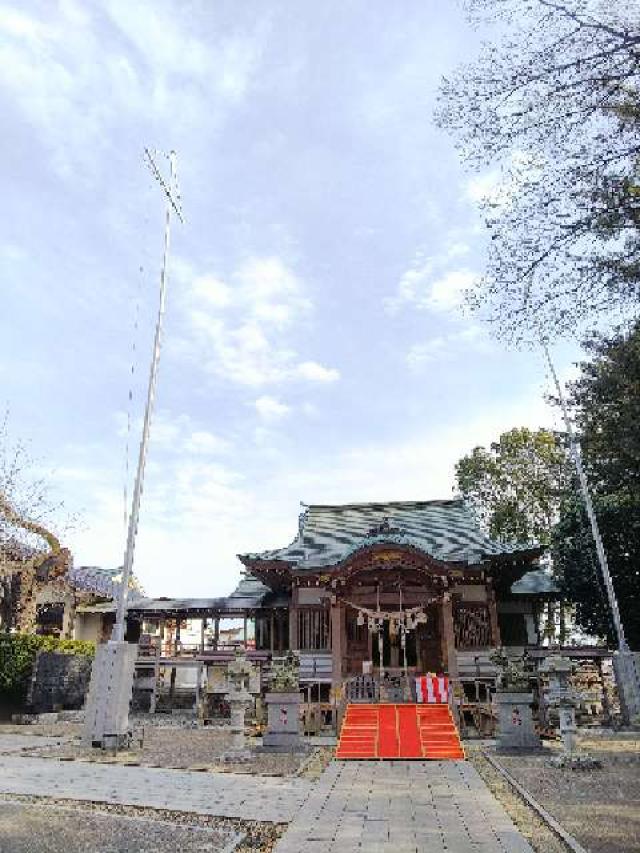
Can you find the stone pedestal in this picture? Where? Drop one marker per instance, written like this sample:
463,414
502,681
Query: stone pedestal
283,721
515,723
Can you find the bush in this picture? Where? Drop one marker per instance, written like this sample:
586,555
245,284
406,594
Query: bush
18,654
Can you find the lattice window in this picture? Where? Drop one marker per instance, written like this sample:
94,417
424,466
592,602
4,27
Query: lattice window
357,635
313,629
472,626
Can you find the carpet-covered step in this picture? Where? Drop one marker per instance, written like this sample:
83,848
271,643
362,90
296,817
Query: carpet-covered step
390,731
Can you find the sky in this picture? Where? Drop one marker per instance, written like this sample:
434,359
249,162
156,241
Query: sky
316,344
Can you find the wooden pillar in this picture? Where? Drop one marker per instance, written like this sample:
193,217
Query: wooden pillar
338,646
177,637
293,619
161,637
447,637
493,614
272,626
198,680
244,632
203,622
156,675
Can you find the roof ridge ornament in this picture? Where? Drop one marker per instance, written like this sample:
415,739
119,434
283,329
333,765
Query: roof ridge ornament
384,529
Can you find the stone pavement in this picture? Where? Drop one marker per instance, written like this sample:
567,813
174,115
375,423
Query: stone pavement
402,807
27,828
220,794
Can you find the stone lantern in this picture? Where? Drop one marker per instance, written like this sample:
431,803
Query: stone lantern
239,673
563,697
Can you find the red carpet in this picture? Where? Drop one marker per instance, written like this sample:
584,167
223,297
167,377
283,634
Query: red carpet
399,731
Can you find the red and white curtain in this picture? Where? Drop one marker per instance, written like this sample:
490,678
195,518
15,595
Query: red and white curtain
432,689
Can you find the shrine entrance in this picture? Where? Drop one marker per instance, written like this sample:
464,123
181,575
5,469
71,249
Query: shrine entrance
415,647
395,652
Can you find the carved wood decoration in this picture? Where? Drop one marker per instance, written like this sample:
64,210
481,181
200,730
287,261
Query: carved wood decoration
472,626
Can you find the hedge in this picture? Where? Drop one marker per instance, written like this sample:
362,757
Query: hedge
18,654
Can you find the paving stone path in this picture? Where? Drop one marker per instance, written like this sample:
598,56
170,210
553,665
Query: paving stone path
221,794
372,806
402,807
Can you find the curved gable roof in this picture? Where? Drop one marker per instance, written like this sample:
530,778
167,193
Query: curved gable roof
445,529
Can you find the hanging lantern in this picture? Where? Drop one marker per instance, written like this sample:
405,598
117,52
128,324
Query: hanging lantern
360,618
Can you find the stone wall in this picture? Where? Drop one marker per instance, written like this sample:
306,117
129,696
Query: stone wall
59,682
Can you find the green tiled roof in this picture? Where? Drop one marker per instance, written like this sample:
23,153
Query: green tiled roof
447,530
537,582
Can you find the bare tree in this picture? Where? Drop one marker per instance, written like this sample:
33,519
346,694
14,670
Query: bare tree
553,106
30,553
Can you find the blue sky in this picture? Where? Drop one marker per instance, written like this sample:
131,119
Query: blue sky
315,344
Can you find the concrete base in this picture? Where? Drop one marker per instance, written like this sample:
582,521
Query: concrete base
626,666
283,722
515,723
106,722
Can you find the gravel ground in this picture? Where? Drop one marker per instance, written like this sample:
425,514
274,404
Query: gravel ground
534,829
99,828
600,808
29,828
180,748
52,729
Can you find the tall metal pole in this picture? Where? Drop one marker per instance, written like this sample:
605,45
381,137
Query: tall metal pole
171,204
586,496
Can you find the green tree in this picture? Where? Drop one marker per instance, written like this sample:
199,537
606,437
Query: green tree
575,563
517,485
606,403
552,108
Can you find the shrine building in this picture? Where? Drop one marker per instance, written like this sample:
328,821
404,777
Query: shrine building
401,588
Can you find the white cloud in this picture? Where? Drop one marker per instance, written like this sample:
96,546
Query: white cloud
447,292
206,443
212,290
448,346
73,79
431,284
270,409
242,328
315,372
173,433
420,354
18,24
